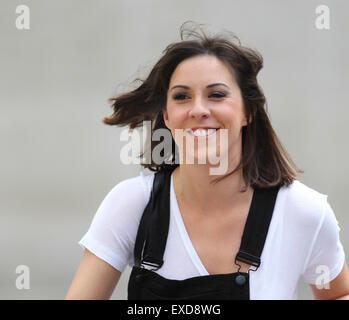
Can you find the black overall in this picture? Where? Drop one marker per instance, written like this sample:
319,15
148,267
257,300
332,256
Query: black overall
145,284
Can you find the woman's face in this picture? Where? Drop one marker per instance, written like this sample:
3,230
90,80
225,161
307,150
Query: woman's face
203,93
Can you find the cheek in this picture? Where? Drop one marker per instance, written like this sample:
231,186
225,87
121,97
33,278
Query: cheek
227,113
234,112
175,118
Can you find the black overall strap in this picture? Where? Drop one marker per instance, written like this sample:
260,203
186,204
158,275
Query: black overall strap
154,225
257,225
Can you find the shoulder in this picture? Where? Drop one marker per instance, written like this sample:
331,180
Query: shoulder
304,196
303,204
127,199
137,187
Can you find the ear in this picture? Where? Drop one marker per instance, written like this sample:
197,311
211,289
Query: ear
244,123
165,117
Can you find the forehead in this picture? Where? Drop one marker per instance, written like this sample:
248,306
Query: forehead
202,69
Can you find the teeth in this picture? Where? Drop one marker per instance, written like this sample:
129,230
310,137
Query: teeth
201,132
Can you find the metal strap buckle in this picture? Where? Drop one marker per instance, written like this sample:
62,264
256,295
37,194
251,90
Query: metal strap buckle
248,258
151,263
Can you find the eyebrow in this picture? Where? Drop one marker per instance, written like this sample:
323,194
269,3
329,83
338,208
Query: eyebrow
209,86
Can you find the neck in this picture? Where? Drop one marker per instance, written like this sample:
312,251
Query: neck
194,187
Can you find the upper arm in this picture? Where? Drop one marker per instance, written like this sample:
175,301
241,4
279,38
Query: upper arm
112,233
328,255
326,259
334,289
95,279
109,242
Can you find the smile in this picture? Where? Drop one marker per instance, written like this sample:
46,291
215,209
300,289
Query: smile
202,133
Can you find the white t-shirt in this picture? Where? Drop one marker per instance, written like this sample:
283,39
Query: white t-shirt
302,240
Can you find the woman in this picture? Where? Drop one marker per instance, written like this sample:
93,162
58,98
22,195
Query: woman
249,233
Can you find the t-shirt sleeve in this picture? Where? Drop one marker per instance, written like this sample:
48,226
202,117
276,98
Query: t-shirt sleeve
327,256
112,233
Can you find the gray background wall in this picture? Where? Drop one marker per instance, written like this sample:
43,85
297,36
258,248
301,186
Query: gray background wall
58,161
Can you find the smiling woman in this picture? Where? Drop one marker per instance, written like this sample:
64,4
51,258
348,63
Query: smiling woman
264,160
251,233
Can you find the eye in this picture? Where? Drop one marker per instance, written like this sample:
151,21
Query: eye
183,96
218,95
179,96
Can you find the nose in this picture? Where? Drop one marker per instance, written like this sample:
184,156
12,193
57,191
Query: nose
199,110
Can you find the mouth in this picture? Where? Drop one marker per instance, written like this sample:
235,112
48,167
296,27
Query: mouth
202,133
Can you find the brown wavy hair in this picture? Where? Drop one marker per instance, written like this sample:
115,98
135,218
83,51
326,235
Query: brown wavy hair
264,162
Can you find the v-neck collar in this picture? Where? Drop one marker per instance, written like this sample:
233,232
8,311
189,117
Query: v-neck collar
184,234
